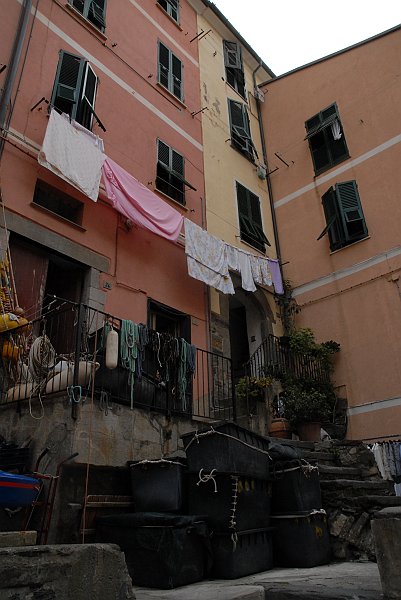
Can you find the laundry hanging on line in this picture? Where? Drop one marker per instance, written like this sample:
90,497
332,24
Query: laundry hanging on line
73,153
388,460
139,204
210,259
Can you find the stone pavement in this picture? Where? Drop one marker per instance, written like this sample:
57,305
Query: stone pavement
338,581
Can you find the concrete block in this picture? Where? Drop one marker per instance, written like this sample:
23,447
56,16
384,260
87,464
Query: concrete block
356,529
96,296
17,538
387,534
78,572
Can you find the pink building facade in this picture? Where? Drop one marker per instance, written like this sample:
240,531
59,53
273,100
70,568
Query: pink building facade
333,138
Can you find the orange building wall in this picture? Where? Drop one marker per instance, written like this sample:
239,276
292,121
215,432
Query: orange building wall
350,295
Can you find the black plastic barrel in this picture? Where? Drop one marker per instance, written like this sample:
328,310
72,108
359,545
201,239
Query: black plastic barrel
229,500
301,540
242,553
162,551
157,485
296,487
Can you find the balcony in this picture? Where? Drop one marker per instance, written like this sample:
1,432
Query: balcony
64,353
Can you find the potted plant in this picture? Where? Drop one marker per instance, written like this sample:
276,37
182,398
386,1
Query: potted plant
252,387
308,404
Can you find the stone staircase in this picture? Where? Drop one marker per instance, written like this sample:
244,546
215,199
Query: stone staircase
352,491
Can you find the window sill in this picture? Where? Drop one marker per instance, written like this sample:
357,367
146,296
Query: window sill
349,245
262,252
171,95
57,216
176,23
82,20
244,98
163,195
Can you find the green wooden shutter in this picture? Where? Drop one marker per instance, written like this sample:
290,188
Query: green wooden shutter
87,108
164,65
250,219
334,226
97,13
67,85
176,65
351,211
232,55
177,163
163,154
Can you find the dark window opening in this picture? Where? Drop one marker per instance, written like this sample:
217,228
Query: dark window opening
170,172
234,66
250,219
58,203
326,139
172,8
93,10
345,221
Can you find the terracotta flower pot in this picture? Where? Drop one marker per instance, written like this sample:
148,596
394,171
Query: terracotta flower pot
309,431
280,428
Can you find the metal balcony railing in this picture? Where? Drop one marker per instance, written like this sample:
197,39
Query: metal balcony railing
64,351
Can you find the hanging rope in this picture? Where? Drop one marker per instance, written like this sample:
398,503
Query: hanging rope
129,339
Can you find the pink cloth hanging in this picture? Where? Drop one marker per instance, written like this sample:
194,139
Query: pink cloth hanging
136,202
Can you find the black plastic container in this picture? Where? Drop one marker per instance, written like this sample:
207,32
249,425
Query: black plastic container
301,540
296,487
161,551
228,448
230,500
241,554
157,485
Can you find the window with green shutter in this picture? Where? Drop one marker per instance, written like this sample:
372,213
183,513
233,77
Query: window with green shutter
93,10
240,129
172,8
326,139
170,71
250,218
234,66
345,221
74,89
170,172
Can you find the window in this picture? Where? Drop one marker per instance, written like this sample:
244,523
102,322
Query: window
74,90
93,10
57,202
170,72
250,219
326,139
172,8
170,172
234,67
240,129
344,215
164,319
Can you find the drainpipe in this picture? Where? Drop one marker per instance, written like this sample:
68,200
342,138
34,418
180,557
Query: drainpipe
13,66
268,180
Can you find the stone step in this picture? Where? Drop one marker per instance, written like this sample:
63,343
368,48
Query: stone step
354,485
321,457
331,472
372,502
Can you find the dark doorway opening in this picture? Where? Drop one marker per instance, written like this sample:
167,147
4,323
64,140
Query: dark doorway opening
238,337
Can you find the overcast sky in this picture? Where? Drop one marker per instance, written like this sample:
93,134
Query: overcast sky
290,33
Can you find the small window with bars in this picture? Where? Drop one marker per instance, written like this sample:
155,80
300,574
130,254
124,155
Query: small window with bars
172,8
170,72
74,89
241,130
93,10
345,221
326,139
234,66
53,200
170,172
250,218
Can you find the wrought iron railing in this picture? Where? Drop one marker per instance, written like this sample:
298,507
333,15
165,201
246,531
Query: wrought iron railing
275,358
64,351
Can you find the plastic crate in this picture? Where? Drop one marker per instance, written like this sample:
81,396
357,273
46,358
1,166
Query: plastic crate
301,540
228,448
157,485
296,487
161,551
230,500
18,490
242,553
